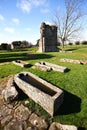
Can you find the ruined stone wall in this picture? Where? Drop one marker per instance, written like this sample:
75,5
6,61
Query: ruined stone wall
48,39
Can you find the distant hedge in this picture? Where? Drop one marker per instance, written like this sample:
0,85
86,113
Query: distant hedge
84,43
70,43
77,43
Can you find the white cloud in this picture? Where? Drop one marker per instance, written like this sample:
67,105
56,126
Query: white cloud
16,21
27,5
1,17
9,29
38,2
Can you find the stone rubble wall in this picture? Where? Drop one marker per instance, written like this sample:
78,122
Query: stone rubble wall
74,61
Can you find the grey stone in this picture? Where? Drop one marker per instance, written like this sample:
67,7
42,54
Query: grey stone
5,111
43,67
21,63
32,128
10,94
26,102
6,120
58,126
48,39
10,82
22,112
38,122
46,66
45,94
71,61
16,124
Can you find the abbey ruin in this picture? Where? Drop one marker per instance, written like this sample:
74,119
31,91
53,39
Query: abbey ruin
48,38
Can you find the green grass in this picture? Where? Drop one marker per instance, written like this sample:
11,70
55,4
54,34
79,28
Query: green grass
74,83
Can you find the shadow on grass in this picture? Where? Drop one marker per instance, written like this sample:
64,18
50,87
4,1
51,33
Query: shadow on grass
75,48
39,56
71,49
71,104
22,56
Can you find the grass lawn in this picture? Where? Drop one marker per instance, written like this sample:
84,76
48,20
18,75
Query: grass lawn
74,83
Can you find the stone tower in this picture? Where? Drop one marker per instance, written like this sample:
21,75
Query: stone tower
48,39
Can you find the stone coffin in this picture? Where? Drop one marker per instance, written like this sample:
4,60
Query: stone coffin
21,63
42,66
49,66
45,94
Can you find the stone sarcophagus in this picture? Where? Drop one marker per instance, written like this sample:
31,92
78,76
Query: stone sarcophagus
21,63
45,94
46,66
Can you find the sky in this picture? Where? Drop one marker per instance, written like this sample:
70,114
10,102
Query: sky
21,19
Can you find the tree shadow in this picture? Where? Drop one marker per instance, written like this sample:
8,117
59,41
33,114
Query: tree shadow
39,56
71,104
81,128
8,57
71,49
22,56
75,48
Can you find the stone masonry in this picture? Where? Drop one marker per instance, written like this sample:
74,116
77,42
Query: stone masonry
48,39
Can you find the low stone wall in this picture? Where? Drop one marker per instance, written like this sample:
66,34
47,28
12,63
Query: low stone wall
73,61
21,63
49,66
45,94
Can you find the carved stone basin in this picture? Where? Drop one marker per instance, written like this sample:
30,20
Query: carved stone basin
45,94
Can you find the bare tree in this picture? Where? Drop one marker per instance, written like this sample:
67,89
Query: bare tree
69,22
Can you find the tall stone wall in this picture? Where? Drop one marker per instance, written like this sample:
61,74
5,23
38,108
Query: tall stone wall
48,38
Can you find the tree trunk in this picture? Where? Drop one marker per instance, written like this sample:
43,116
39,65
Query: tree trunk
62,44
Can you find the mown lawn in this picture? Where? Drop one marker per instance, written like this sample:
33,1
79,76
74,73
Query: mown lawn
74,83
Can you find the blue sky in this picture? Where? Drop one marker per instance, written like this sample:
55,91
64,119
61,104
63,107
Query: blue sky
21,19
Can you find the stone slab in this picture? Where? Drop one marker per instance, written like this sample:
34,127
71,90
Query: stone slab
72,61
45,94
58,126
21,63
41,66
49,66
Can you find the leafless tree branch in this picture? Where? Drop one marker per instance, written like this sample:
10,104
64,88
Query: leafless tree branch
70,23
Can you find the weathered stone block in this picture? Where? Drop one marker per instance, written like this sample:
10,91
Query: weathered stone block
21,63
10,93
45,94
71,61
49,66
16,124
38,122
58,126
22,112
41,66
